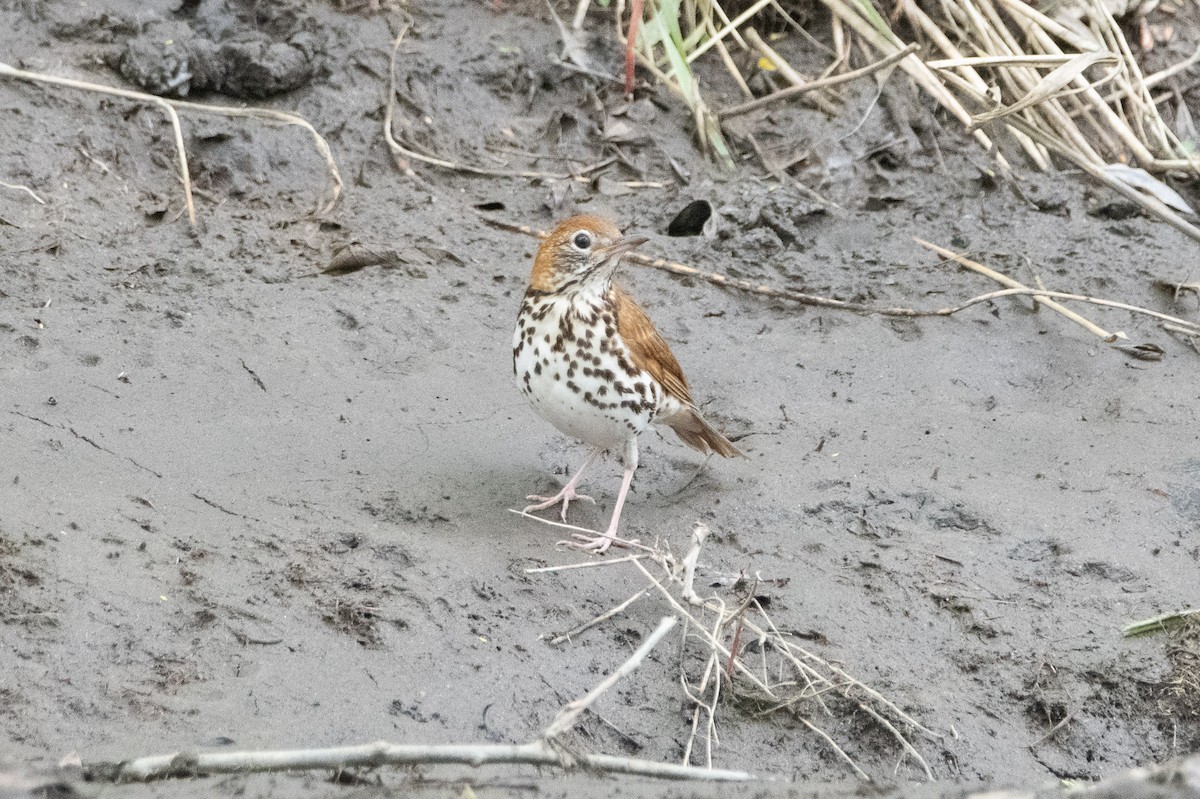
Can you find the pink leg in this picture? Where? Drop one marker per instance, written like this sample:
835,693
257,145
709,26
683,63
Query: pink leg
600,544
568,491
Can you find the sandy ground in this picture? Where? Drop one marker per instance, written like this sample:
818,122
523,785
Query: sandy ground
246,504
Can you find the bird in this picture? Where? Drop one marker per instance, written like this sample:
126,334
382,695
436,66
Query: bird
590,361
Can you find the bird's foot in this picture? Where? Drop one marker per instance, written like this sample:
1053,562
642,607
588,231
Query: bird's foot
597,544
565,496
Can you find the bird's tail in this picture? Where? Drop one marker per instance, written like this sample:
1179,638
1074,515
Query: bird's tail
698,434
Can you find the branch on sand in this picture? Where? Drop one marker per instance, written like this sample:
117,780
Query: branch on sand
546,751
1014,288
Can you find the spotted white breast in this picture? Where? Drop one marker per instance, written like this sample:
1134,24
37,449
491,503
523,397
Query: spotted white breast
577,372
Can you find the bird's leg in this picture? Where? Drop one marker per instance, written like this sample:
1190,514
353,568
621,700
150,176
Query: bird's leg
600,544
568,491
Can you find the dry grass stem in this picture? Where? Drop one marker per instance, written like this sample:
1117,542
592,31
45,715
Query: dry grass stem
26,189
702,708
789,74
271,115
165,105
961,260
741,284
732,68
1165,621
567,717
580,14
603,617
820,83
690,560
587,564
1169,72
169,106
404,154
1187,331
839,751
730,27
1181,325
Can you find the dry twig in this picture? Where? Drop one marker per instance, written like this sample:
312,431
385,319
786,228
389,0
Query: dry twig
26,189
545,751
708,622
1175,324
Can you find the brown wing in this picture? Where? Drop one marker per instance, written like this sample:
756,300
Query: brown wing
648,349
651,353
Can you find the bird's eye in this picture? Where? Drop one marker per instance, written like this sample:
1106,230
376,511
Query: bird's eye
582,241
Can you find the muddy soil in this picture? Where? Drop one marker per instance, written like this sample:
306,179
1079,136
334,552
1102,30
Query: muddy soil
247,504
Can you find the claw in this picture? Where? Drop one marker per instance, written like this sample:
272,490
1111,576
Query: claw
597,544
565,496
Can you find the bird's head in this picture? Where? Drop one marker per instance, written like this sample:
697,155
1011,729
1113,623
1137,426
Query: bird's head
581,251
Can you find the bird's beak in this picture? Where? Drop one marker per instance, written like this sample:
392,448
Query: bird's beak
622,246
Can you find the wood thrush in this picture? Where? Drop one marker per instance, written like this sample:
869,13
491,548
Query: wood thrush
591,363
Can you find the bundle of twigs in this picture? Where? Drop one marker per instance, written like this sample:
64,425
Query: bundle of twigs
733,651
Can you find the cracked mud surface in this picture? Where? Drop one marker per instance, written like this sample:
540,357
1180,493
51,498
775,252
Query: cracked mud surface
245,502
